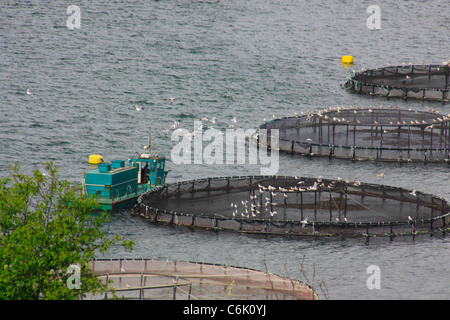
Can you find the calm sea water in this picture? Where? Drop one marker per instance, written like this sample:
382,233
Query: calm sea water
223,58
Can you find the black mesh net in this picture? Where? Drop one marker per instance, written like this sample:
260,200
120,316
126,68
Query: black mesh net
385,134
423,82
295,206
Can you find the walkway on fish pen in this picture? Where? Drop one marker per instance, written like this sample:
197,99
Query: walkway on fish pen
147,279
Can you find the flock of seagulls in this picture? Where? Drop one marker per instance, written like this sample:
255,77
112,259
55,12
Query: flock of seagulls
253,207
264,201
257,205
334,115
209,123
175,124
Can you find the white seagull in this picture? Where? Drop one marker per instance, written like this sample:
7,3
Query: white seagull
304,222
147,147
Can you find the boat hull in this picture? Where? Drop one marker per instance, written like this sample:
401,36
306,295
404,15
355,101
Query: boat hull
121,202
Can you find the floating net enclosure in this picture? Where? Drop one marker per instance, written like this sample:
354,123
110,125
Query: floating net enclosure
422,82
384,134
295,206
182,280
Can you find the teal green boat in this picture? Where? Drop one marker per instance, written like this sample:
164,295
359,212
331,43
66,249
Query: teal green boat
118,185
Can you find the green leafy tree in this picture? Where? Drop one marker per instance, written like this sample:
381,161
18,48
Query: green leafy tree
46,227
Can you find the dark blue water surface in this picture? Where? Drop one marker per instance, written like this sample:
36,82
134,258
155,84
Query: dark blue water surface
224,58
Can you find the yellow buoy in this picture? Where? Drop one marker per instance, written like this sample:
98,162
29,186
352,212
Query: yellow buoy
95,159
347,59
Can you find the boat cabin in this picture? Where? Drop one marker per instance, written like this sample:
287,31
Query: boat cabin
151,169
118,185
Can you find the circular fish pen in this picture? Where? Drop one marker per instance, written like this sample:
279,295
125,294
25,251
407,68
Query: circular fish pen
384,134
284,205
145,279
422,82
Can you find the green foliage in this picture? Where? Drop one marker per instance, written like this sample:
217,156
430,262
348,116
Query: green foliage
47,225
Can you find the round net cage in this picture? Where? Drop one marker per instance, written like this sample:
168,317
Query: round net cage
148,279
422,82
295,206
384,134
